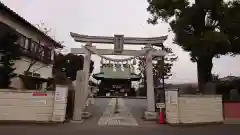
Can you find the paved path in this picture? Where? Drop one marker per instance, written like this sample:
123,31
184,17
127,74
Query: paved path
132,113
122,118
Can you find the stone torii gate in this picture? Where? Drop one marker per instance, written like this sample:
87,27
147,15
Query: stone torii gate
119,41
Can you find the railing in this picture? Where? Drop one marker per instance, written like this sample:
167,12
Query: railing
38,52
36,56
34,49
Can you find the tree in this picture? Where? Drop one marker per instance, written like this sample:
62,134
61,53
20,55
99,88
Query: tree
161,69
70,64
10,52
42,26
215,77
205,28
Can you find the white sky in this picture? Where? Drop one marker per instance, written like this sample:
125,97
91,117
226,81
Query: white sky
109,17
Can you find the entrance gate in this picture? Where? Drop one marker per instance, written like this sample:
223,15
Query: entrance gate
118,41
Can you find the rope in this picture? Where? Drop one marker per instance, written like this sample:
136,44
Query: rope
115,60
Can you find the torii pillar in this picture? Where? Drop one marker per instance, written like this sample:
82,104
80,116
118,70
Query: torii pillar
82,88
150,84
86,69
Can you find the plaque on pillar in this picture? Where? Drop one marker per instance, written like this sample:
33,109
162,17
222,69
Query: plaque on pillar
118,44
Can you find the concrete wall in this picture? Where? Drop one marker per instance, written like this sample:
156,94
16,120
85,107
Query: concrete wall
172,113
231,110
200,109
189,109
60,103
172,106
25,106
21,65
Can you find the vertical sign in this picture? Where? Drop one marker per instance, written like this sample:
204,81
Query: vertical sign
61,93
171,96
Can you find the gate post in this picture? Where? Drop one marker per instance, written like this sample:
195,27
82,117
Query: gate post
82,89
78,98
150,114
86,70
150,88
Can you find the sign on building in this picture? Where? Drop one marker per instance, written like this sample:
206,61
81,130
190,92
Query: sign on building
160,105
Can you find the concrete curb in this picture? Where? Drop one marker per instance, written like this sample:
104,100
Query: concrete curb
120,97
13,122
195,124
76,122
232,122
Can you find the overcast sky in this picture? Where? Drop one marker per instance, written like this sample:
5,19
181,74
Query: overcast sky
109,17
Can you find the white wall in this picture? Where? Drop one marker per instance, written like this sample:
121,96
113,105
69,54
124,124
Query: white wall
191,109
28,32
24,106
22,65
172,116
200,109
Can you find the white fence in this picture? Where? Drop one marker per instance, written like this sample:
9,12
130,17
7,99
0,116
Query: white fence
28,105
189,109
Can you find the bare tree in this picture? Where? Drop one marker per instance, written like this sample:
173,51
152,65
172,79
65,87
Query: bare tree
42,26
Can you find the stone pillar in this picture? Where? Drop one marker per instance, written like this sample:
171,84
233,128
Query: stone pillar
150,113
79,97
82,89
86,69
150,88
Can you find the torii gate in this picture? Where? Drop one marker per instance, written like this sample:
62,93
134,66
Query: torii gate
119,41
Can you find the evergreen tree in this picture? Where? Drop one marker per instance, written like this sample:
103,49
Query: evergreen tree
70,64
9,53
204,28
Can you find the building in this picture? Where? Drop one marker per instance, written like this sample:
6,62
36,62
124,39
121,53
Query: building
116,79
35,45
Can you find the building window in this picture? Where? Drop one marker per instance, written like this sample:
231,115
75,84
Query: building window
29,46
27,42
1,58
47,53
41,51
21,40
34,46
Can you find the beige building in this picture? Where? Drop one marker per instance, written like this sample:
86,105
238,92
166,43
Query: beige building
35,45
